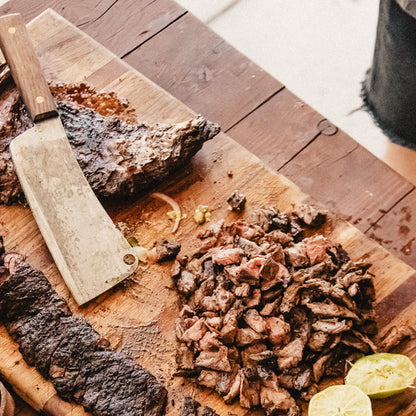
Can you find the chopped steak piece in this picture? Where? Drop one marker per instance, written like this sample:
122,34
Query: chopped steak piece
185,358
262,218
332,326
237,201
226,380
297,255
316,249
278,330
253,300
208,378
301,379
247,336
227,256
250,248
249,388
250,271
291,354
193,408
117,158
209,342
224,298
277,236
273,273
318,340
186,283
252,351
319,367
66,350
206,411
281,311
310,215
242,291
255,321
291,297
214,360
276,400
234,390
270,308
165,251
195,332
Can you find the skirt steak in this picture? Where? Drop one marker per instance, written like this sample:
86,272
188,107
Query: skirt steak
68,351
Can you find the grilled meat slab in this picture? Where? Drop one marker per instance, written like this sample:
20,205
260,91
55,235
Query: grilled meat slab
68,351
119,158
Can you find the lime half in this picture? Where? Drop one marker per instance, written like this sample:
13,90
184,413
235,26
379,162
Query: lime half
382,375
340,401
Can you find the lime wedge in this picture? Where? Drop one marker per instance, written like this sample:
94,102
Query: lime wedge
340,401
382,375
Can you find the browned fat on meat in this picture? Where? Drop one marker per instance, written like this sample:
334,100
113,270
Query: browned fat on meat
280,311
119,155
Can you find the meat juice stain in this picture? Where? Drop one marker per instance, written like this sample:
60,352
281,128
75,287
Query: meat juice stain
407,216
407,248
404,229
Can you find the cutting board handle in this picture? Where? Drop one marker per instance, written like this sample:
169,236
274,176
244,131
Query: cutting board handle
25,68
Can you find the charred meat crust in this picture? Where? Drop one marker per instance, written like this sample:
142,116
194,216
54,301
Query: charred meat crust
191,407
68,351
118,158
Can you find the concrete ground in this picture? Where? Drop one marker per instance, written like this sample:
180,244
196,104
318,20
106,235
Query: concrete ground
319,49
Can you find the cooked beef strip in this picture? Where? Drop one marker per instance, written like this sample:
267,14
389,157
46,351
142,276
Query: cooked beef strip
395,335
66,350
118,158
330,309
249,388
332,326
319,367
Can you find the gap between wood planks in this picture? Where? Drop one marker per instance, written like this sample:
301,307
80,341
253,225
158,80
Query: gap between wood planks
154,35
258,106
374,224
266,99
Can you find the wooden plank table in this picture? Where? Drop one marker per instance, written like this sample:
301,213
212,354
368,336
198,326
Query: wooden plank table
174,49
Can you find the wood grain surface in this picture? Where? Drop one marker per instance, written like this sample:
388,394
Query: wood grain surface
138,318
276,139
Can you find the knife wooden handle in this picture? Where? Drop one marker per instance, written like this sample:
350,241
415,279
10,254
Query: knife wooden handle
25,68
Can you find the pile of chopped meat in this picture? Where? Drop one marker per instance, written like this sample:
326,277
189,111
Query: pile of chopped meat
267,313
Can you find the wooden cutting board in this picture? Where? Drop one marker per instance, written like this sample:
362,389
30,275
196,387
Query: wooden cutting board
138,317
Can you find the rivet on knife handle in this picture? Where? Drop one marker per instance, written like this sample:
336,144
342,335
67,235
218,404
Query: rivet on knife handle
25,68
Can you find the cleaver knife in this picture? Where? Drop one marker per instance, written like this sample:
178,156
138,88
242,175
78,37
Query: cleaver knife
89,251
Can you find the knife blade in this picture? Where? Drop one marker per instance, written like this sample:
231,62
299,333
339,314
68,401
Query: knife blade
90,253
